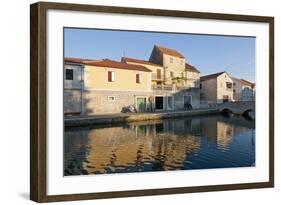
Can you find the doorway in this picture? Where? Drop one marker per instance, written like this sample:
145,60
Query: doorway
141,104
159,103
225,98
187,100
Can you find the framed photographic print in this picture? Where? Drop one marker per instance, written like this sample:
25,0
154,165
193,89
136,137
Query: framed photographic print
134,102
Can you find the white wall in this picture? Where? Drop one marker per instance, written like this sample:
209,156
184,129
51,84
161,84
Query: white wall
14,149
222,89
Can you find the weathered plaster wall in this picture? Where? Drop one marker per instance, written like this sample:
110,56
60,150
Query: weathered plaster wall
77,76
209,90
177,66
72,101
192,79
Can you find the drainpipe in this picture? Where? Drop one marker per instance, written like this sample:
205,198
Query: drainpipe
82,89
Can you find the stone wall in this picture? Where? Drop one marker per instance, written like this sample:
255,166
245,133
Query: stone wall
72,101
105,102
102,102
209,90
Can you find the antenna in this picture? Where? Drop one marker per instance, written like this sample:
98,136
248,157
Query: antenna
124,54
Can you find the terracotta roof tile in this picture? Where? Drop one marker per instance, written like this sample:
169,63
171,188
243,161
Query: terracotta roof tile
134,60
108,63
170,51
191,68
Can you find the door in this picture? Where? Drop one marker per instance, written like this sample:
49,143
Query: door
187,100
159,103
141,104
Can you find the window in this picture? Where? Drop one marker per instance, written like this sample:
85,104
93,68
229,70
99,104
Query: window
138,78
68,74
229,85
171,60
111,98
172,74
225,98
200,86
111,76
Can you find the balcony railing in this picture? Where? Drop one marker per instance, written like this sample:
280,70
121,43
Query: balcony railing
155,76
173,87
163,87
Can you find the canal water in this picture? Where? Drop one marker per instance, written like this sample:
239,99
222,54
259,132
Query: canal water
214,141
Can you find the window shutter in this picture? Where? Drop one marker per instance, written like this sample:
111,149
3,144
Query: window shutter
109,78
137,78
112,76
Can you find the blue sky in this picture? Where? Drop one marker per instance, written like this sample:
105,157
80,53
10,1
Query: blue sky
208,53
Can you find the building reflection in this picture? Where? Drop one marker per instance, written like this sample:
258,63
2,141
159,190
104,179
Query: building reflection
145,146
222,130
153,145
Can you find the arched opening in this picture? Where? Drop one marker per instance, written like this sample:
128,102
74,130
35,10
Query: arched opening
249,114
227,112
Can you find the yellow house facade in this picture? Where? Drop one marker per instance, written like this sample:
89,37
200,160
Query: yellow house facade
110,75
157,71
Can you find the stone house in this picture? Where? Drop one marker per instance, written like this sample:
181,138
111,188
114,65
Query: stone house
106,86
216,88
98,87
243,90
174,81
172,61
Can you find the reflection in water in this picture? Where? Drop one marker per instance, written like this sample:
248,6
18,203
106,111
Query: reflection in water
172,144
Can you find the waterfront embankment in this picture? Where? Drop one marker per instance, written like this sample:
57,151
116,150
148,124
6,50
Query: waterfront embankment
73,121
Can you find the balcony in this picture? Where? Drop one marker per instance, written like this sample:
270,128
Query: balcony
163,87
156,77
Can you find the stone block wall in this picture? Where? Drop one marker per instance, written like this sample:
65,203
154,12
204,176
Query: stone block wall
104,102
107,102
72,101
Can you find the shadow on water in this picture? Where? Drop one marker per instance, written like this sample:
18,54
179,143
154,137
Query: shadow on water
214,141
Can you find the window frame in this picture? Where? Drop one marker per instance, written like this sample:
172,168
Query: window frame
110,76
138,78
67,74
